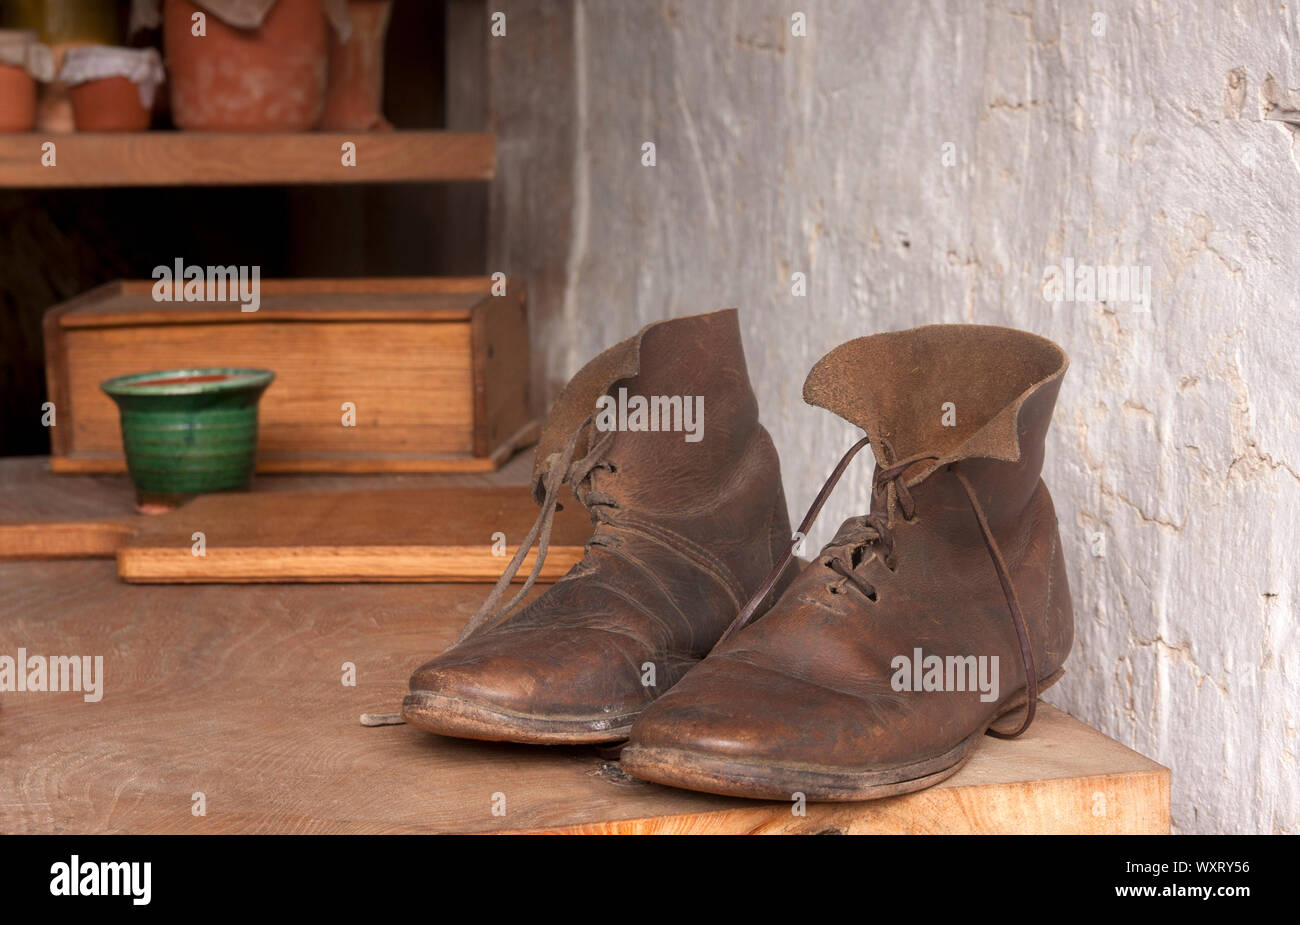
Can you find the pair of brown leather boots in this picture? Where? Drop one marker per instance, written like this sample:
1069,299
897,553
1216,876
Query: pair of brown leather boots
689,629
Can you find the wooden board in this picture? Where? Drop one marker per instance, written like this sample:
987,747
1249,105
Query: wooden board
163,158
435,372
235,693
70,517
44,516
438,534
64,539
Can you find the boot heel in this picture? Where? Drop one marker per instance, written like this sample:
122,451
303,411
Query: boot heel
1014,714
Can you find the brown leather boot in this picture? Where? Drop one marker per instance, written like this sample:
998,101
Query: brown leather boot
850,687
687,526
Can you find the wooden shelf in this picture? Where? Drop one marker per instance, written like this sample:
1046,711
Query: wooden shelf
164,158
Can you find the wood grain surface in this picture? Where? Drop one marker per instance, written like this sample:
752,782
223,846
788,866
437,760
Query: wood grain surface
295,528
235,692
408,383
429,534
46,516
433,373
162,158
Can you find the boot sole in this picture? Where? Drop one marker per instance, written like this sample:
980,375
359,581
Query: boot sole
764,781
465,719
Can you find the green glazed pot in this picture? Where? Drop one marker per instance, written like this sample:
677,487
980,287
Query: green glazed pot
188,431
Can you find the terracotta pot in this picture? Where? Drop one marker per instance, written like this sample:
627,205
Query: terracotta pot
64,24
17,84
17,99
248,80
355,96
111,89
108,105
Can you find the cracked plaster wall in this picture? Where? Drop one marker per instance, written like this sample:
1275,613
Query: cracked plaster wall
1175,439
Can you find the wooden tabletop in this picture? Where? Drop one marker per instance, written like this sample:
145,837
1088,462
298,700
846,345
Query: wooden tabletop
235,692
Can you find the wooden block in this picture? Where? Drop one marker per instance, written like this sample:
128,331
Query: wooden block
234,692
215,159
436,369
441,534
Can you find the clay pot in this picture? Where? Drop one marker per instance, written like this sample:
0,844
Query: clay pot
112,89
354,98
188,431
64,24
17,84
108,105
248,80
17,99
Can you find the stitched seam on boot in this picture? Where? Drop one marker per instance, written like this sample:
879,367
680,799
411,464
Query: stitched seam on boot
661,650
1051,570
1051,573
692,552
654,579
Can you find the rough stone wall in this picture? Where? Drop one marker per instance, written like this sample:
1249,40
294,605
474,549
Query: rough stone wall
929,162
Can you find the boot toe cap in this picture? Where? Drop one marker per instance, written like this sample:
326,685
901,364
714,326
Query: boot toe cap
525,686
752,729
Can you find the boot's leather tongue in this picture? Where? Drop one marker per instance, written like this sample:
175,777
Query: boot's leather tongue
577,401
955,390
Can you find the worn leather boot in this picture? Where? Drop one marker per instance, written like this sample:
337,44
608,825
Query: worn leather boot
687,526
938,616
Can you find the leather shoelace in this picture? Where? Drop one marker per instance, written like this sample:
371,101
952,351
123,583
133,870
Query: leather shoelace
876,528
561,468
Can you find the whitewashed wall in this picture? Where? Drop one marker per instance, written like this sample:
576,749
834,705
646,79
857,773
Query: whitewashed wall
1137,139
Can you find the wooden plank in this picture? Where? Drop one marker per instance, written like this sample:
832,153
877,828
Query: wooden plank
235,692
163,158
438,534
71,539
43,516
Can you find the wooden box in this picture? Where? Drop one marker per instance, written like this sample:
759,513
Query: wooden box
436,370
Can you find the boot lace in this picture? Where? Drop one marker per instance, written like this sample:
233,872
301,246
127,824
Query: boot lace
847,551
560,469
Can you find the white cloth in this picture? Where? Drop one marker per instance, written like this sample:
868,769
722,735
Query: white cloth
142,66
242,14
19,48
